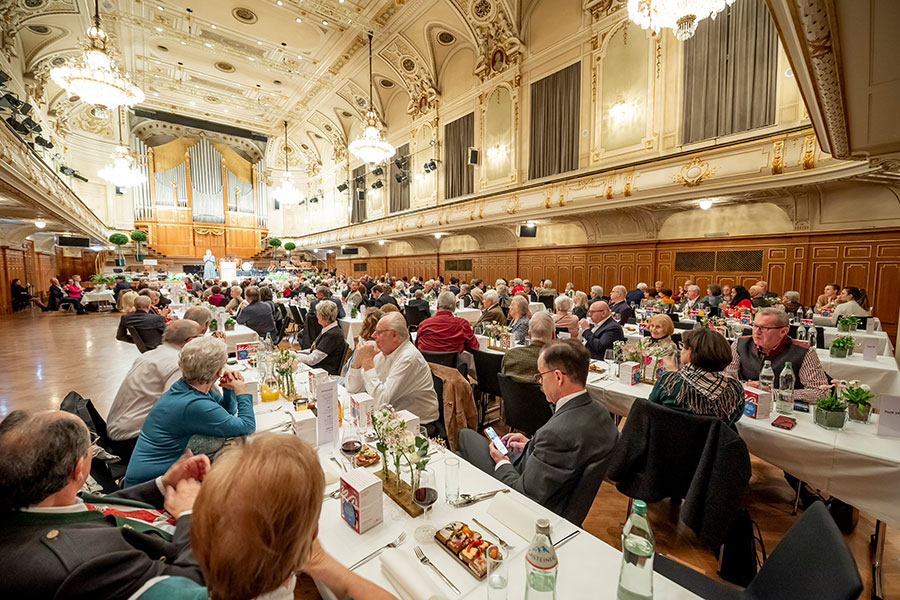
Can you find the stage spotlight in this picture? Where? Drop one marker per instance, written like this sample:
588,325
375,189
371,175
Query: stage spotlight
377,185
12,101
378,171
401,176
19,127
401,162
360,180
343,187
25,108
430,166
313,200
3,78
31,125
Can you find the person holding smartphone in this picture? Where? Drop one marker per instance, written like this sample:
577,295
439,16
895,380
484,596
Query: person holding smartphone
548,467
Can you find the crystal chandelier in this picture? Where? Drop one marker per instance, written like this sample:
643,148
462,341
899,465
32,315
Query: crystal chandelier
681,16
94,77
286,193
371,146
122,172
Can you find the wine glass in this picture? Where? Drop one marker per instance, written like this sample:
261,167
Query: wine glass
351,443
609,357
425,495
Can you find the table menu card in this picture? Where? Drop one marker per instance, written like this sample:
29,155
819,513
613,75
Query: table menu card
889,416
326,406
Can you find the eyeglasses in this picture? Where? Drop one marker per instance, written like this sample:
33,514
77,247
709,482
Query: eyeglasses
380,331
539,376
755,326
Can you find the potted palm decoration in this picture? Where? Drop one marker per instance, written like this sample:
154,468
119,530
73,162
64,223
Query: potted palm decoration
289,247
275,243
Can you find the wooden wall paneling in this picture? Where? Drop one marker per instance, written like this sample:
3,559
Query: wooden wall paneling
46,268
204,242
330,261
13,263
5,292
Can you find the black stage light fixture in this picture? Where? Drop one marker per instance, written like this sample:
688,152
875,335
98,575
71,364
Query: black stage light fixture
19,127
25,108
80,177
343,187
401,162
12,100
377,185
31,125
401,176
66,170
313,200
360,180
3,78
430,166
5,103
378,171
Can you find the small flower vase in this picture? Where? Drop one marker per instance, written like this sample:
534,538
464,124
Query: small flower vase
845,327
840,352
286,384
229,326
833,420
859,413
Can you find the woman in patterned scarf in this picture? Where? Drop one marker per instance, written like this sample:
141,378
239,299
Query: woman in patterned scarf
700,386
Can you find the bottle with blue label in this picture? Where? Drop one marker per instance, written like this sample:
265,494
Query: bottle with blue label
541,565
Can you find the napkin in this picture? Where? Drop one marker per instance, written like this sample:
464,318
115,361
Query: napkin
514,515
408,576
482,341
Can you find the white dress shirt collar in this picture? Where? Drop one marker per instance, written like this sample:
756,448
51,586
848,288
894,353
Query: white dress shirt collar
564,399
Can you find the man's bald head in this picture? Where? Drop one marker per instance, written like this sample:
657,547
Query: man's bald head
39,453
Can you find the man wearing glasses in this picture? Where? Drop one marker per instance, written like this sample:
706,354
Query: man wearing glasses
548,468
393,371
770,341
600,332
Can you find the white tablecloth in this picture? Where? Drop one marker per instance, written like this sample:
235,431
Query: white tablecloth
351,328
854,465
821,321
884,343
102,296
588,566
239,335
882,375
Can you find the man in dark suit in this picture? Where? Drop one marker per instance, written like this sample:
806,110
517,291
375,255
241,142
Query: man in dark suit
636,295
55,544
454,286
382,296
121,286
327,351
548,468
323,292
420,302
149,326
600,330
257,315
619,305
58,298
529,291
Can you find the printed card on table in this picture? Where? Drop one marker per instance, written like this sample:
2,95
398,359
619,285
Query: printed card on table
889,416
326,406
870,325
870,349
246,350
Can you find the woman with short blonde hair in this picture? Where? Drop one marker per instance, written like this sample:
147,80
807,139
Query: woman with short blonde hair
518,318
661,329
126,301
563,316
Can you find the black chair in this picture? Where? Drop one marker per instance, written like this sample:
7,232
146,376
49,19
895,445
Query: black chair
414,316
863,321
448,359
525,408
547,301
487,367
106,474
585,491
440,427
676,339
820,337
311,331
679,325
297,319
811,562
137,339
505,310
560,330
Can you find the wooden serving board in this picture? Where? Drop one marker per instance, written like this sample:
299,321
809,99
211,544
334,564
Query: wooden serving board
464,564
402,497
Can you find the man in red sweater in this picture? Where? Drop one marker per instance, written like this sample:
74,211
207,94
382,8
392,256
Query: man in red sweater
444,332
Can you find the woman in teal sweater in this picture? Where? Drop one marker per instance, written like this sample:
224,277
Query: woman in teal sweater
191,407
700,386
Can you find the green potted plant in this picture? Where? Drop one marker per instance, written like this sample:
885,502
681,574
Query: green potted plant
289,246
137,237
275,243
847,323
213,324
229,324
842,346
857,396
830,411
354,312
119,239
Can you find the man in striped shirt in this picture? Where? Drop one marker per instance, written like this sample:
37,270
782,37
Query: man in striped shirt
770,341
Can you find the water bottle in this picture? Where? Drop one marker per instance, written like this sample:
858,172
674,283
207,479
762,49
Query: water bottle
809,313
636,576
801,333
541,565
811,337
767,377
784,404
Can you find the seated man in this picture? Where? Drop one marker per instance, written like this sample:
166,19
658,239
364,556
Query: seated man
58,298
54,545
599,331
618,304
444,332
419,302
236,298
161,302
149,326
323,292
547,289
353,295
636,295
770,341
492,312
532,295
327,351
691,299
381,294
548,467
256,315
758,297
393,372
520,363
121,286
151,374
191,407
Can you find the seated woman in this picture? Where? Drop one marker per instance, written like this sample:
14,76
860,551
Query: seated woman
126,301
518,318
580,310
853,303
73,290
791,302
661,329
477,298
21,297
563,316
700,386
191,407
366,333
255,524
741,298
713,296
327,351
666,296
216,296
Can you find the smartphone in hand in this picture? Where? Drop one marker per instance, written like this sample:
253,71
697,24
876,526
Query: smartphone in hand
496,441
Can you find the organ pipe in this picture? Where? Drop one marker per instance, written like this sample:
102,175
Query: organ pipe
171,186
206,183
240,194
143,210
262,195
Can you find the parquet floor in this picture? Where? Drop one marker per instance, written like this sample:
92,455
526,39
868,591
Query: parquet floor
45,355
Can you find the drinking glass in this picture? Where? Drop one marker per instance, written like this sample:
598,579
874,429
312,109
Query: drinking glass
497,573
451,479
609,357
425,495
351,443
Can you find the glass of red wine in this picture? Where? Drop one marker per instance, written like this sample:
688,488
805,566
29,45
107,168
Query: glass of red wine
351,443
425,495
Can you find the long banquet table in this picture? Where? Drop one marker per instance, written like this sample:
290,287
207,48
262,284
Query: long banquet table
588,567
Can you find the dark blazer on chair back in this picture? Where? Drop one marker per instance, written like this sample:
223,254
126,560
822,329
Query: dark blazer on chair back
149,325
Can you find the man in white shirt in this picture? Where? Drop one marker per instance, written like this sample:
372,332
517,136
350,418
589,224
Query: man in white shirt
151,374
393,371
691,299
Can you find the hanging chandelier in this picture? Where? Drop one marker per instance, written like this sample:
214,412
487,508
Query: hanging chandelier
93,76
681,16
286,193
371,146
122,172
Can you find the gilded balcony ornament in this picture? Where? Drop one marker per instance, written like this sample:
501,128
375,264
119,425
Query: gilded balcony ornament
694,173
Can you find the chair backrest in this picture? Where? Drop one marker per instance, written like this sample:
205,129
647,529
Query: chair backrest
415,315
547,301
560,330
792,330
487,367
448,359
311,330
525,408
137,339
585,491
439,391
679,325
676,339
505,310
812,561
295,315
861,324
820,337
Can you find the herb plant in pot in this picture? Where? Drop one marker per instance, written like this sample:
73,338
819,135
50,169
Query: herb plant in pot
858,397
847,324
229,324
830,411
842,346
